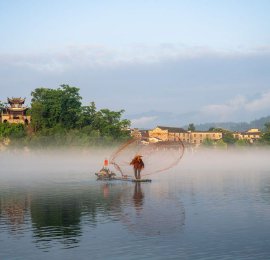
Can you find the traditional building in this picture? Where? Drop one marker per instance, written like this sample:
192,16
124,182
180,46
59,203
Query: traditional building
164,133
197,137
135,133
15,113
251,135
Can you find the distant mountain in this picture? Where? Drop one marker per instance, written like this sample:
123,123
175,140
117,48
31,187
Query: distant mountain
241,126
150,119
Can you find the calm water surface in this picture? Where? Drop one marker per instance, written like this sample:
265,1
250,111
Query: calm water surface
208,207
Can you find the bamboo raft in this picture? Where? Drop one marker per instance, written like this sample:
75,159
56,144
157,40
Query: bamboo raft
107,175
133,180
114,178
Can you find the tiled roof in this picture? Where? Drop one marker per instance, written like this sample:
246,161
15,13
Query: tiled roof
208,132
16,100
250,133
172,129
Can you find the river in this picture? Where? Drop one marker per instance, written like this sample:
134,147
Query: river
212,205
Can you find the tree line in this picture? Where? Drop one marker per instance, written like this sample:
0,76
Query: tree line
59,118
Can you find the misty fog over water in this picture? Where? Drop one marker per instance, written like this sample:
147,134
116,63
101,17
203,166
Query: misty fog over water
215,204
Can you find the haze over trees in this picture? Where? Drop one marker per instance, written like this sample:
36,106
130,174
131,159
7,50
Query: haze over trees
229,140
265,139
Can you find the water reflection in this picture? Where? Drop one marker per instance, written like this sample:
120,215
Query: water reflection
138,196
209,209
55,217
153,214
13,210
60,213
265,190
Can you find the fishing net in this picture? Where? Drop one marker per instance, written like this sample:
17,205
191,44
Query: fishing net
157,157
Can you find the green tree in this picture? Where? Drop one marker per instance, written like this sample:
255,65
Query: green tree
208,142
228,138
37,120
242,143
70,106
12,131
267,127
109,123
265,139
58,117
191,127
104,122
221,144
52,107
88,115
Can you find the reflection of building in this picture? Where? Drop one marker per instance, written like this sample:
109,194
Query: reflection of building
15,113
251,135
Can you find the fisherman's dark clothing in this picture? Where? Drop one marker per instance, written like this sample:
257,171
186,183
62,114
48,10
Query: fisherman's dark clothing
138,165
137,173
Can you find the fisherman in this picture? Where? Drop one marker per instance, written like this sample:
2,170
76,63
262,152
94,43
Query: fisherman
105,168
106,163
138,165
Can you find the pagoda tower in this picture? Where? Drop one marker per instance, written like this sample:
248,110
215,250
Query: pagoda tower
15,112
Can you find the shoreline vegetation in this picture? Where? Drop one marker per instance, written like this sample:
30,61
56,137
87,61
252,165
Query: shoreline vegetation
58,119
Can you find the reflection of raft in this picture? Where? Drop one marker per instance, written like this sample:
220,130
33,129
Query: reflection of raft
132,180
141,180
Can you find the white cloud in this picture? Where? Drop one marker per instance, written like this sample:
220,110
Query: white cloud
168,77
98,56
259,104
142,121
236,106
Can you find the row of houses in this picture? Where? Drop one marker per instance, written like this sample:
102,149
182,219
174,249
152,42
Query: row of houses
251,135
163,133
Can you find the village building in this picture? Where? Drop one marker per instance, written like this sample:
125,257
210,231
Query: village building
251,135
197,137
164,133
136,133
15,112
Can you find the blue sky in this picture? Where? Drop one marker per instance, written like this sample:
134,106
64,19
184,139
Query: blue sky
168,62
